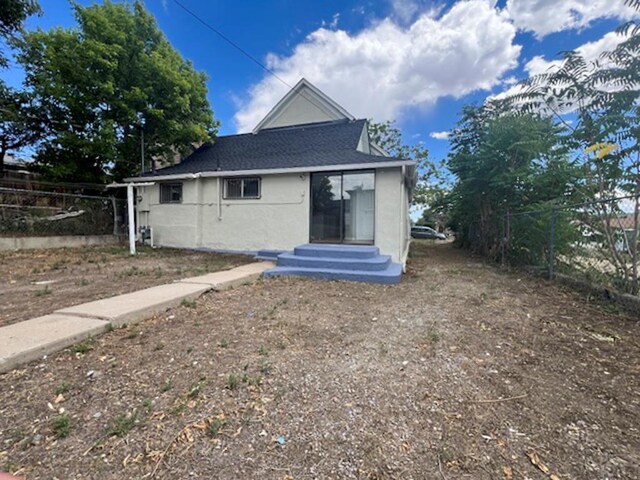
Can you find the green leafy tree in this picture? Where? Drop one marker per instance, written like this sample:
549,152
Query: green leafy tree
604,98
20,122
504,164
387,136
19,125
107,84
436,211
13,13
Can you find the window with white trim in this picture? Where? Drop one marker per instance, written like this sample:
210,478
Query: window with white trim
170,193
241,188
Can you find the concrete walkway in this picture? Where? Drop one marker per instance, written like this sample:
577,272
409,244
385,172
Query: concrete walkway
29,340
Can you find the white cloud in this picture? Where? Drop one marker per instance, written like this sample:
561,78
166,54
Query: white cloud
406,11
440,135
548,16
386,68
590,51
333,24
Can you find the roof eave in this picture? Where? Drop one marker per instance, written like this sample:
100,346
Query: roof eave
276,171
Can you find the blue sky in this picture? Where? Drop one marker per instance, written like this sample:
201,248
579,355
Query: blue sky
416,61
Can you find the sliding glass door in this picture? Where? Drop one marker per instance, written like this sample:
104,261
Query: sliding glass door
342,207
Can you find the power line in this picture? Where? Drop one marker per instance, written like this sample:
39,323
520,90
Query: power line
230,42
242,50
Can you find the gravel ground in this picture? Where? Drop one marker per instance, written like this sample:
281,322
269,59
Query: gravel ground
41,281
462,371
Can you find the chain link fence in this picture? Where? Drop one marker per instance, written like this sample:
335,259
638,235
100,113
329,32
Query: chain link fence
26,212
596,242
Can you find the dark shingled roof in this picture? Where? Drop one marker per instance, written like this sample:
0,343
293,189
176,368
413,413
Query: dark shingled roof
312,145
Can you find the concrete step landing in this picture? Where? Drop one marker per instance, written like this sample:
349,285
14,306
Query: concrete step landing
338,262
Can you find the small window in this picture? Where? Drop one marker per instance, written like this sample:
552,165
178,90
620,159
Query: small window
170,193
237,188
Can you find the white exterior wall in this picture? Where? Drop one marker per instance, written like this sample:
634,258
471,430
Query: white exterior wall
279,220
405,237
174,224
389,211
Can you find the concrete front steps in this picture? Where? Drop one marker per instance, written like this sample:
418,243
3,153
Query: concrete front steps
338,262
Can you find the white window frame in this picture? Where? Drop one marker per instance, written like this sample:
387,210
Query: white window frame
171,185
242,195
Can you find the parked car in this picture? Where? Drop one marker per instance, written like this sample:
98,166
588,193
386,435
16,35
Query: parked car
427,232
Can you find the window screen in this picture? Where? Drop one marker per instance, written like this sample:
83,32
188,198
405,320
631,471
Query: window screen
237,188
170,193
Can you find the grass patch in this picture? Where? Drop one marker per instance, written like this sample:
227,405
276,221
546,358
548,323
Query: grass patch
189,303
265,367
147,405
215,426
43,291
224,343
122,424
61,425
58,265
179,408
166,386
435,336
132,271
132,334
233,381
195,391
63,388
84,347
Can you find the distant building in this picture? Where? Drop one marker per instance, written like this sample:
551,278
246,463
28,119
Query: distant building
18,173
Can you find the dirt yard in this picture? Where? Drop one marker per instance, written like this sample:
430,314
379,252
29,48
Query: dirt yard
460,372
37,282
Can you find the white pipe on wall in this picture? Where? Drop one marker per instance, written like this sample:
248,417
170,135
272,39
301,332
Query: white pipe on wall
218,185
132,220
130,210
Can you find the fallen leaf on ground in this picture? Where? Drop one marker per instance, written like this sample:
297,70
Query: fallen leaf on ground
535,460
508,472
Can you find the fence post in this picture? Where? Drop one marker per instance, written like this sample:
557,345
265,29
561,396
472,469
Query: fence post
116,224
552,244
503,241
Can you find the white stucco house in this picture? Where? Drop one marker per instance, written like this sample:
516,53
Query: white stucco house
307,174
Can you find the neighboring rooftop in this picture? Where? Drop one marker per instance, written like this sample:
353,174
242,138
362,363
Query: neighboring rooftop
15,162
310,145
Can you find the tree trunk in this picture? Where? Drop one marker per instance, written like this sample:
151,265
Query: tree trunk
635,282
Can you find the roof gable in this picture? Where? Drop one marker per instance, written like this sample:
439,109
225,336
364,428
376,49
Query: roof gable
303,104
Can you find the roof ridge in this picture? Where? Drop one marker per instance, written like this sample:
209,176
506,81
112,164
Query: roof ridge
292,127
311,125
